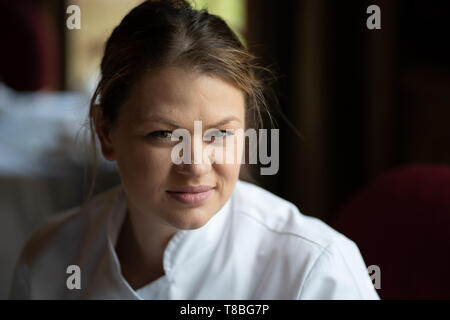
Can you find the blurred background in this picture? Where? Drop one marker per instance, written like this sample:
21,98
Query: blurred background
372,107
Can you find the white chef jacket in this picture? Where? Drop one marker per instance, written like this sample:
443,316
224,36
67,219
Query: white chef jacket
257,246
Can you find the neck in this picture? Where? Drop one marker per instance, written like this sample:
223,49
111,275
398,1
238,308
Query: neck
140,248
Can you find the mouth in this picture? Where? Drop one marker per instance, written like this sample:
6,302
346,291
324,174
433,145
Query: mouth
192,195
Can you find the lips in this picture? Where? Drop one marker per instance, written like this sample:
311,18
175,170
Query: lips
192,195
191,189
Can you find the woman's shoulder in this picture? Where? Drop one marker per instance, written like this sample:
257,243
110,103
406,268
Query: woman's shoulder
281,217
65,230
323,263
59,242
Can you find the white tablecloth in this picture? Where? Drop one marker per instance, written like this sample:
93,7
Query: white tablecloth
42,165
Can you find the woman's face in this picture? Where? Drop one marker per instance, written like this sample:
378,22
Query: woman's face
141,144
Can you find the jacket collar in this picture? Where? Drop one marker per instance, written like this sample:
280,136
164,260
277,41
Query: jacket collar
183,247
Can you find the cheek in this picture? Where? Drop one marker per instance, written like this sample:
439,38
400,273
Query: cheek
236,149
229,170
230,150
227,176
142,165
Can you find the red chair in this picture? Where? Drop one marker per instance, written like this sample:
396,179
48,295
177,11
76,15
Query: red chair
29,58
401,222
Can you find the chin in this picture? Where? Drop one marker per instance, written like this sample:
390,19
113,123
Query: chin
190,221
189,225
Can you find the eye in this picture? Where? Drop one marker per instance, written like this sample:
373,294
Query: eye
219,133
160,134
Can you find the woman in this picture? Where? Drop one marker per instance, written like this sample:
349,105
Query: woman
189,230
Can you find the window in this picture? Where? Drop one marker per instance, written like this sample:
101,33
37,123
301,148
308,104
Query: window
98,19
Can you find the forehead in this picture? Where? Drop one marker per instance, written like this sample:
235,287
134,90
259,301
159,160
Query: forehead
184,95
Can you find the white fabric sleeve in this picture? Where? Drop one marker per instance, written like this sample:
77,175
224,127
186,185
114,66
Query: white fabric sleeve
339,273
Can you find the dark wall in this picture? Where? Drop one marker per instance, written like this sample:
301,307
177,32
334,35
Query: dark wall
365,101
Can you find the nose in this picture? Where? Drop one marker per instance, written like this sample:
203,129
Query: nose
193,170
200,163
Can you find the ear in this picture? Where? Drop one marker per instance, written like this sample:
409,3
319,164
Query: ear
104,133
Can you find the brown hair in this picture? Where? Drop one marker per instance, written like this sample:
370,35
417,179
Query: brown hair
161,33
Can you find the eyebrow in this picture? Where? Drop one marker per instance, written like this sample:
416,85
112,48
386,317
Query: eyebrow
224,121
